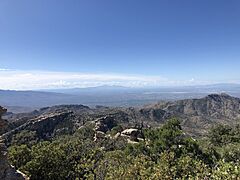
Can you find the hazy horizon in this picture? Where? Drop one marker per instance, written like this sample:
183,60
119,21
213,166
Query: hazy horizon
44,81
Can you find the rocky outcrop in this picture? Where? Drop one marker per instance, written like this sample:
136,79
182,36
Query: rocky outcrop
7,172
46,126
99,135
132,134
105,124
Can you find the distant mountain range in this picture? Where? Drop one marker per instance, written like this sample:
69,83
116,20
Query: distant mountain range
23,101
233,88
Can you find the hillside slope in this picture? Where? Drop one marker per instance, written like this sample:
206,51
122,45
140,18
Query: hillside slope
197,115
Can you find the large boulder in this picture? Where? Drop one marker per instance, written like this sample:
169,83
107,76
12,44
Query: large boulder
132,133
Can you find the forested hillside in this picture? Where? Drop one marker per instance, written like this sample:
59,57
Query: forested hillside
163,153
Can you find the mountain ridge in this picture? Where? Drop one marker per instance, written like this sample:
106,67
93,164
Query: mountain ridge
197,116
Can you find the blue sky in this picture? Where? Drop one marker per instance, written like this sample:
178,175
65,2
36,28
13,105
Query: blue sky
169,42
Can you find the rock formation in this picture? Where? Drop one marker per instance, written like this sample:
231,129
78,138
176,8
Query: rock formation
133,134
7,172
45,126
105,124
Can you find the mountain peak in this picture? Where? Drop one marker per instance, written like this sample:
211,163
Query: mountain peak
219,97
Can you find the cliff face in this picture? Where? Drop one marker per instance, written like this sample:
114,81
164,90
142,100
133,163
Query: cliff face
7,172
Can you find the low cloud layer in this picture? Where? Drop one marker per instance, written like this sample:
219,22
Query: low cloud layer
32,80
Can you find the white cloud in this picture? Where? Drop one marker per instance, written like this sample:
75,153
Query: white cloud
25,80
22,80
192,80
3,69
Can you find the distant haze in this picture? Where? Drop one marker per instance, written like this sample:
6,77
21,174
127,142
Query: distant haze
22,101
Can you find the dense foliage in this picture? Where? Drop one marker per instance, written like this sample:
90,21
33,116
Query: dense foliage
165,153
